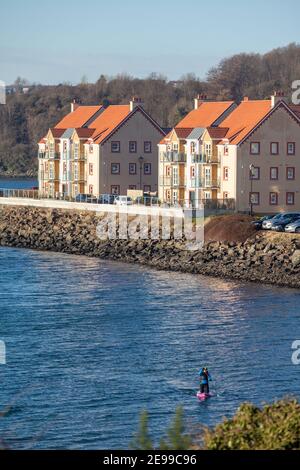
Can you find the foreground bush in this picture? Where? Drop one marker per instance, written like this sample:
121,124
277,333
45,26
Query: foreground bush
273,427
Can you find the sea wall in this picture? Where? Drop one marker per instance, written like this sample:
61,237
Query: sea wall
263,258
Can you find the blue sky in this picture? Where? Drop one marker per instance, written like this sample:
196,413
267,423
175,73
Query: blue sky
59,41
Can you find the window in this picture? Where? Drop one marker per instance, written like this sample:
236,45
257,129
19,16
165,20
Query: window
254,199
132,146
255,148
290,199
91,189
115,189
91,169
76,172
168,171
147,168
193,171
273,173
254,173
64,168
208,150
115,147
175,197
168,194
225,173
147,188
273,199
291,148
64,146
290,173
147,147
274,148
193,147
225,195
115,168
91,148
132,168
76,151
175,147
132,186
226,149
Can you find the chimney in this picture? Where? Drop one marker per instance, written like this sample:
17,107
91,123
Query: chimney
199,99
276,97
135,101
74,106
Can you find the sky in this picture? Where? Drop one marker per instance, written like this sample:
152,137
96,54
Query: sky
63,41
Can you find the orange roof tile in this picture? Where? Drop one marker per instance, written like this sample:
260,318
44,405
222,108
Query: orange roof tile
207,113
79,117
108,120
244,118
166,138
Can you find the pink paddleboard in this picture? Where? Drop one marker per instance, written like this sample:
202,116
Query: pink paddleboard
203,396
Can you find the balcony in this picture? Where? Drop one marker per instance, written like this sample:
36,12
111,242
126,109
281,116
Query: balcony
205,183
173,157
53,177
172,182
52,155
205,159
78,158
79,178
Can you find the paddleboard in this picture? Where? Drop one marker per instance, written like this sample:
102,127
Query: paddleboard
203,396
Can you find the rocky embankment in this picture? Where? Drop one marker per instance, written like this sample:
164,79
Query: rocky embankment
268,258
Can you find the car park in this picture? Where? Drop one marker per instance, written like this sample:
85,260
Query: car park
259,222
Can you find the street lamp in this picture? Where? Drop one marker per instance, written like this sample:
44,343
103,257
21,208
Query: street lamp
141,159
251,168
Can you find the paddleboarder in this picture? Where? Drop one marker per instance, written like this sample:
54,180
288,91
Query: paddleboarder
205,378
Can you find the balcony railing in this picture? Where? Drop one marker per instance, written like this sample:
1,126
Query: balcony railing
205,183
81,157
172,182
79,178
51,155
203,158
173,157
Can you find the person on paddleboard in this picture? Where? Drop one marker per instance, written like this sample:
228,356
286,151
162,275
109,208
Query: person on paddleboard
205,378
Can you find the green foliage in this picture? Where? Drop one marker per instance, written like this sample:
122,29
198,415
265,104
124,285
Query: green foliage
142,440
274,427
176,438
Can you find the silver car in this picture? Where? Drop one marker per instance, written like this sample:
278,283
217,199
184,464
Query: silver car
293,227
267,224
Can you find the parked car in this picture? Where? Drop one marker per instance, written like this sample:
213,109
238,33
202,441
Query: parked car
106,199
147,200
259,222
267,224
85,198
123,201
279,224
293,227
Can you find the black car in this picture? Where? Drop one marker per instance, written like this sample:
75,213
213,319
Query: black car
258,223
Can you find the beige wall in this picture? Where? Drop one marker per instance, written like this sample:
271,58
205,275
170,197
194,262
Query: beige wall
138,129
282,128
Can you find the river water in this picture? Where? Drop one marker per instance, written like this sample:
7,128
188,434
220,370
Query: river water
91,343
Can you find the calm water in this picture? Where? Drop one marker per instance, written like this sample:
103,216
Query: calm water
18,183
91,343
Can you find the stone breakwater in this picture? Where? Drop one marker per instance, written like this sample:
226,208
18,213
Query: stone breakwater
263,258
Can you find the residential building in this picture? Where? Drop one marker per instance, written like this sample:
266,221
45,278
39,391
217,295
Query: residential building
186,161
259,156
101,150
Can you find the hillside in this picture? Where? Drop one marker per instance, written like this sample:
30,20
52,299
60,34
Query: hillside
26,117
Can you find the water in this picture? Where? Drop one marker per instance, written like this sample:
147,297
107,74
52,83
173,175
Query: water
18,183
91,343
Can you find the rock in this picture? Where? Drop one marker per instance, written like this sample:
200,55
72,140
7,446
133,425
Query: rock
296,258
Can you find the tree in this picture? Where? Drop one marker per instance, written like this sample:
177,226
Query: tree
142,440
176,437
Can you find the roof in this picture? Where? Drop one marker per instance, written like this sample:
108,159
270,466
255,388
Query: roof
57,133
206,114
196,133
244,118
296,109
79,117
166,138
68,133
217,132
183,132
85,132
108,120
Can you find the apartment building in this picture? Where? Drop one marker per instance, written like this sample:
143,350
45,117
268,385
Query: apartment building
183,166
245,156
96,150
259,156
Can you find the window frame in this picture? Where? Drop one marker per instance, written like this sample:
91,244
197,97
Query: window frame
111,168
258,198
113,142
294,173
287,196
254,153
135,148
115,186
144,167
251,177
270,200
147,142
91,169
277,147
294,148
277,173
